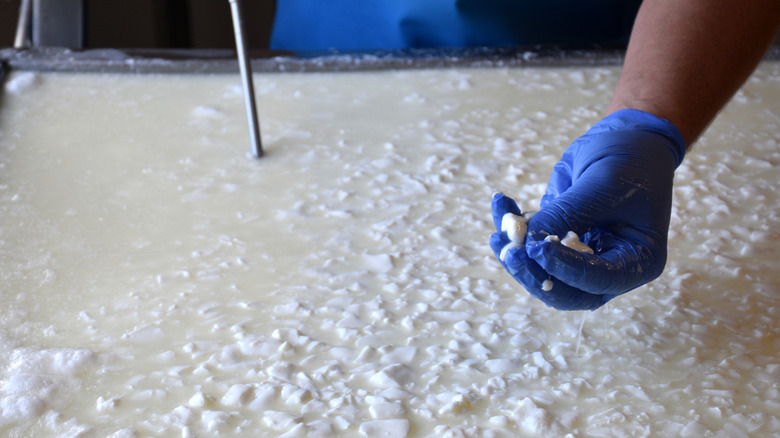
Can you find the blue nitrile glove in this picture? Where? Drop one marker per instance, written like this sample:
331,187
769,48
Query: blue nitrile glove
613,187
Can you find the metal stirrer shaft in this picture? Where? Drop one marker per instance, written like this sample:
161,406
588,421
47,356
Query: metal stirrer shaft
237,10
23,25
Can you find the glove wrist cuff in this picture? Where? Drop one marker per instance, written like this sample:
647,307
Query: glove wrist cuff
644,121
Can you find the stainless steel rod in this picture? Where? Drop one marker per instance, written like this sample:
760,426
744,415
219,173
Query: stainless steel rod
23,25
237,10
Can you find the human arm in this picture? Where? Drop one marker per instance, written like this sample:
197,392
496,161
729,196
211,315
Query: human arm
613,186
686,59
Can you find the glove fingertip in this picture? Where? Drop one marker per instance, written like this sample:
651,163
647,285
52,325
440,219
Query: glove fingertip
560,296
560,261
539,250
540,285
550,220
515,258
501,205
525,270
497,242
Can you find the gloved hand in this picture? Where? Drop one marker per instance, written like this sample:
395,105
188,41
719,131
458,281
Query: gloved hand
613,187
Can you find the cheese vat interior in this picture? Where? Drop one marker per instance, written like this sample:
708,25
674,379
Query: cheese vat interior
158,281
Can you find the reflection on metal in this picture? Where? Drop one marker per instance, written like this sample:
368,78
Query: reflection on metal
237,10
58,23
22,38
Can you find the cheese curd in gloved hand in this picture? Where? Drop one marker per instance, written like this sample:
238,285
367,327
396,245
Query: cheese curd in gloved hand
515,226
612,186
571,240
514,258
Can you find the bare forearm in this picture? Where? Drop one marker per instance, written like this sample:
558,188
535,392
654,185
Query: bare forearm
687,58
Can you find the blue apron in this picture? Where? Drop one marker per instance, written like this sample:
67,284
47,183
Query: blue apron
302,25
